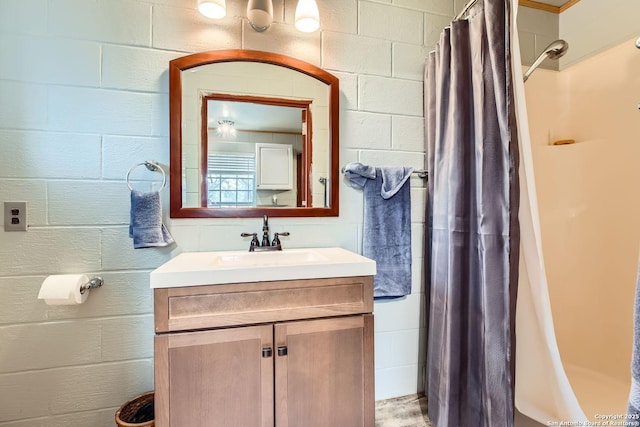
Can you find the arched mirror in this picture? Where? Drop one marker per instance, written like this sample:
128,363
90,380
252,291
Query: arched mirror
252,134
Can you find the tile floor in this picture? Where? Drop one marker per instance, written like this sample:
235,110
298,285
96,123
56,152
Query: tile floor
411,411
407,411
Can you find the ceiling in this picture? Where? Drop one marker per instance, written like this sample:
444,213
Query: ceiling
257,117
554,6
553,2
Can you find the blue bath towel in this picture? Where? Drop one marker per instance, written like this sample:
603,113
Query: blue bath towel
634,394
145,226
387,225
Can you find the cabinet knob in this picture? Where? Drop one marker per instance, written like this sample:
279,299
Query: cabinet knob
282,350
267,352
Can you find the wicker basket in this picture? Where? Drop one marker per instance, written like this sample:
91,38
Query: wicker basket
136,412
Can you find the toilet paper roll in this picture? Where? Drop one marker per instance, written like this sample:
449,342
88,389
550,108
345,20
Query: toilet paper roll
63,289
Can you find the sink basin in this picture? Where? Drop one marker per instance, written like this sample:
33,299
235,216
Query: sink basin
214,268
256,259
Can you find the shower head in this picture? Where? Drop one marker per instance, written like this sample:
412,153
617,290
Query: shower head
555,50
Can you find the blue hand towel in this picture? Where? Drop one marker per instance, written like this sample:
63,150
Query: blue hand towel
358,174
634,394
387,225
146,227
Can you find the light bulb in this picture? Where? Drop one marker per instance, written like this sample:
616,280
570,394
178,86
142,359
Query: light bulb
214,9
226,128
307,16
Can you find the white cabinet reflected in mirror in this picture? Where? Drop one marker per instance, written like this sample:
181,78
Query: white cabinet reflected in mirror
252,134
251,146
274,168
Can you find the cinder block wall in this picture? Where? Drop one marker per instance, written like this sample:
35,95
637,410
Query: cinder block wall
84,96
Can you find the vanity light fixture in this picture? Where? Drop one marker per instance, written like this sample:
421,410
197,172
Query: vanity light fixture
214,9
226,128
307,17
260,13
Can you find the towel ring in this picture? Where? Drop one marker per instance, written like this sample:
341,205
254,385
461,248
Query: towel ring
153,167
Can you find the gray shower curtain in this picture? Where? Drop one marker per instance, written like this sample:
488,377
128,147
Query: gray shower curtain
472,214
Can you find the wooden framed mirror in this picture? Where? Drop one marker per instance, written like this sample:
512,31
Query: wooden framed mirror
251,134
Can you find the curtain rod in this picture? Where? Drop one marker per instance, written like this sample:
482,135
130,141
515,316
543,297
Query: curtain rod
465,9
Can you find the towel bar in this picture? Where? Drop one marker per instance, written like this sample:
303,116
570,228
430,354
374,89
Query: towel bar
422,173
153,167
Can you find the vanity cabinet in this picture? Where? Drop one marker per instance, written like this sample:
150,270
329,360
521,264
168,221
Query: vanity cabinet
296,353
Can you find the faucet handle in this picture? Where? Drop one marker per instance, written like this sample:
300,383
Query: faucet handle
276,240
254,241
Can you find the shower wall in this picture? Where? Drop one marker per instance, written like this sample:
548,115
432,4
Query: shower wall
590,203
594,26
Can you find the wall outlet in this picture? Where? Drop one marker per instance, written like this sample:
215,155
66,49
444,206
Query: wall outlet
15,216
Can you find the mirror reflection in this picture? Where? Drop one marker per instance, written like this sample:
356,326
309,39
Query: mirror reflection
257,135
259,152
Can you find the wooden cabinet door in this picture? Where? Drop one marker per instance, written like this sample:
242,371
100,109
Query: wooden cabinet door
324,372
214,378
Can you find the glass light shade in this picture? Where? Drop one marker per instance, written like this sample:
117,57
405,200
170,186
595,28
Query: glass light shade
260,14
226,128
214,9
307,16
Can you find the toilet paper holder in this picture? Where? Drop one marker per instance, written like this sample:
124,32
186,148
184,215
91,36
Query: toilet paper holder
96,282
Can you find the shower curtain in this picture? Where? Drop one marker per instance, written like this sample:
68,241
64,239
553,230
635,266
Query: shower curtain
472,213
542,390
633,407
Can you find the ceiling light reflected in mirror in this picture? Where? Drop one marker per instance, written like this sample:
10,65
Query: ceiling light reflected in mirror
226,128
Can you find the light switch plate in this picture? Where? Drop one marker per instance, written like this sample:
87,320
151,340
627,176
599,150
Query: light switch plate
15,216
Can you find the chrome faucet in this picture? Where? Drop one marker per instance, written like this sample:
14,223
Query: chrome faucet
265,231
255,244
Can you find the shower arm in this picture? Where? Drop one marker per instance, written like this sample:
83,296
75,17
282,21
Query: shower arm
535,65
